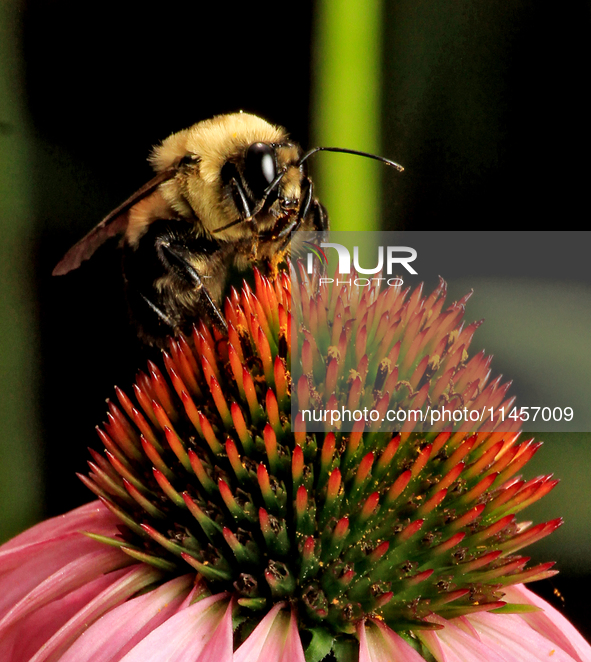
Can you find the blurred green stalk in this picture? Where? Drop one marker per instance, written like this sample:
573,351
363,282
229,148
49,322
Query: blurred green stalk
20,486
346,81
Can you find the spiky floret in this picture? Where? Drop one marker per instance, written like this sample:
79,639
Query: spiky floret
204,471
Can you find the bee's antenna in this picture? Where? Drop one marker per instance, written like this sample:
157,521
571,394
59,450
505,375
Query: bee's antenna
350,151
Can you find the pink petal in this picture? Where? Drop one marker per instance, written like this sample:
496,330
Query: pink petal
464,624
293,650
67,578
267,635
34,563
14,558
378,643
139,577
454,644
122,628
221,645
192,596
550,623
185,636
22,640
91,517
275,639
510,634
33,556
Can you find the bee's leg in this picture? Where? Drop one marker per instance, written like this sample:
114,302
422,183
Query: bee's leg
320,218
294,224
154,308
309,205
307,201
240,198
319,215
230,175
184,268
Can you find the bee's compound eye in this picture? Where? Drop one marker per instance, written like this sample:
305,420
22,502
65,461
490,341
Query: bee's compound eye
259,168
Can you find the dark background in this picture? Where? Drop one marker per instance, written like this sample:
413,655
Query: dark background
100,96
486,105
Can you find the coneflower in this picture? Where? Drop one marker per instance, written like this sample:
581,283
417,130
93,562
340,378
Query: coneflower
223,532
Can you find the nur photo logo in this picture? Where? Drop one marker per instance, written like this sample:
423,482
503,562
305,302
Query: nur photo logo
394,255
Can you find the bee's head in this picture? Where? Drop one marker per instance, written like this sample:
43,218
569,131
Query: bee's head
235,175
225,167
266,181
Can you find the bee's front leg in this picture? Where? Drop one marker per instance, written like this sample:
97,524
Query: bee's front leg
312,216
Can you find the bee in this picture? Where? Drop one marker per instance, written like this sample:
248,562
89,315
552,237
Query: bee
227,192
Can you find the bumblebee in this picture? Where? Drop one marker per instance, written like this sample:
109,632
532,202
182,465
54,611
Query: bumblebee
228,191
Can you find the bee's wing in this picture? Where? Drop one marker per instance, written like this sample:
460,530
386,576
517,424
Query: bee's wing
113,224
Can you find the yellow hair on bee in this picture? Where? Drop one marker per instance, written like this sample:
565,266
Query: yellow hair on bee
212,143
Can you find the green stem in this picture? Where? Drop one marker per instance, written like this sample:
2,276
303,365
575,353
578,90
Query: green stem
346,110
